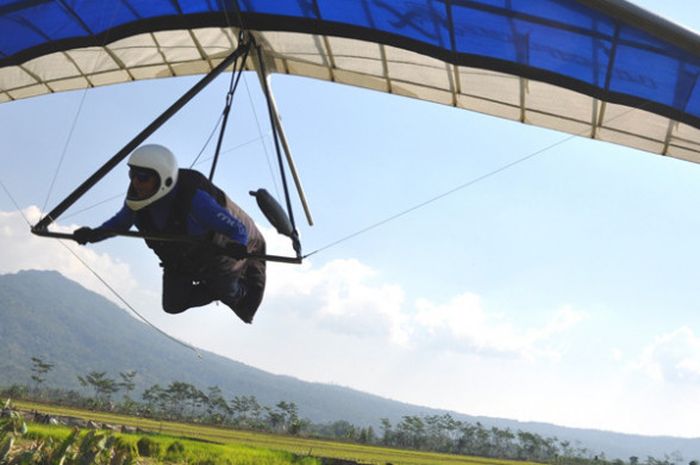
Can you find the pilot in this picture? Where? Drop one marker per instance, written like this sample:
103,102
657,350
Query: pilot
163,199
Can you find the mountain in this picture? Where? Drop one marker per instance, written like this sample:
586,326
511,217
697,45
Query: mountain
45,315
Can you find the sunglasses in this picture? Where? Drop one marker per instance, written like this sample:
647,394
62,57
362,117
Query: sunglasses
140,175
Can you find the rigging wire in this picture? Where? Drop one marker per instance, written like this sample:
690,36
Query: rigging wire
233,85
101,202
275,136
103,281
260,132
123,300
206,143
244,31
69,137
462,186
223,117
224,113
194,162
74,124
431,200
123,194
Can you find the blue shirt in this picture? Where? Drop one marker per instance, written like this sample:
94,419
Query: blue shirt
205,215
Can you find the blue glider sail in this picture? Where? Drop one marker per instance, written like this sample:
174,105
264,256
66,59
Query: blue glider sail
601,69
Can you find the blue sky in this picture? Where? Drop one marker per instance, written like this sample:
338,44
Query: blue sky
563,289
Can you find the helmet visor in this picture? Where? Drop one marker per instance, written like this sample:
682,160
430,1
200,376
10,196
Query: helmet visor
141,174
145,182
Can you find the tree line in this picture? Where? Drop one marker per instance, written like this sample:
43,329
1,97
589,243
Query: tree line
182,401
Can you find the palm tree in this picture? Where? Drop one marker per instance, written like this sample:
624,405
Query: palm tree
104,387
39,369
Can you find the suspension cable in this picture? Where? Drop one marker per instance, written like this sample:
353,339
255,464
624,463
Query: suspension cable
103,281
233,85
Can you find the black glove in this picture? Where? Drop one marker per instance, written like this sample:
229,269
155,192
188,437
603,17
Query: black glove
236,250
87,235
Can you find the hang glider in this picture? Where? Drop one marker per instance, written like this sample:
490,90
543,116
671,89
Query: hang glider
577,66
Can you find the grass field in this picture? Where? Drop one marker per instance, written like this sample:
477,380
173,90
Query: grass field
223,437
190,451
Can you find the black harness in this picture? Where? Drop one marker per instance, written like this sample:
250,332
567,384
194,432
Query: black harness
178,255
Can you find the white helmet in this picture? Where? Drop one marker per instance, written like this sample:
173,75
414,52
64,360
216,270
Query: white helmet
162,163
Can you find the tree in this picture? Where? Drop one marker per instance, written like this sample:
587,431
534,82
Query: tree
366,435
502,441
247,411
568,451
217,408
180,394
387,433
371,435
156,399
343,429
482,438
104,387
441,432
127,382
277,416
39,369
290,415
15,392
466,444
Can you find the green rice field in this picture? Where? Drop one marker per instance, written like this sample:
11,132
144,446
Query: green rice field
191,451
247,447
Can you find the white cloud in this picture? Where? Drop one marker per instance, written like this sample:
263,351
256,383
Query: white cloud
616,354
346,297
673,356
463,325
343,296
22,250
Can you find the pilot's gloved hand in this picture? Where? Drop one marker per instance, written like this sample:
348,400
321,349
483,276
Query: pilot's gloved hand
87,235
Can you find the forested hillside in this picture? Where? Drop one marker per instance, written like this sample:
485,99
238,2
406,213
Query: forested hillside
46,316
